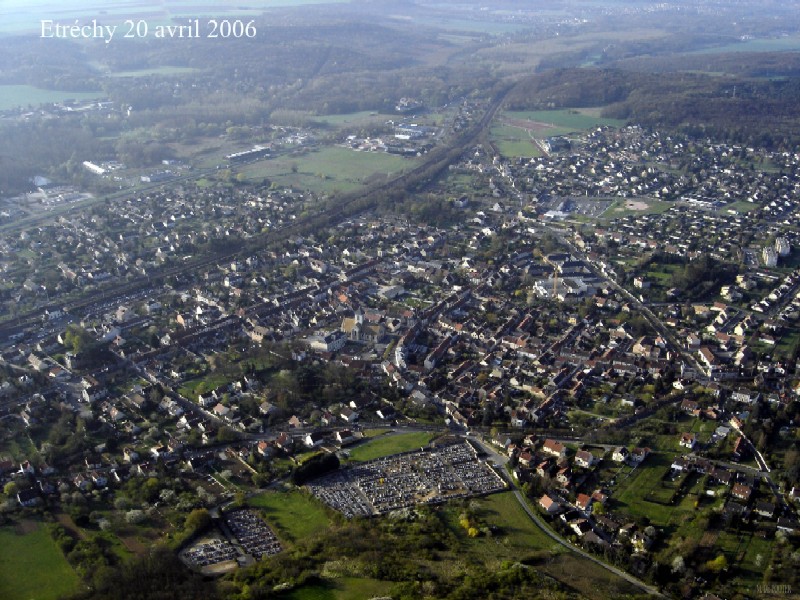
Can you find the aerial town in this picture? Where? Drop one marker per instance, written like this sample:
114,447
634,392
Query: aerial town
443,344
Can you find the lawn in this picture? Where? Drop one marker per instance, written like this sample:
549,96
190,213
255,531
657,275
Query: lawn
633,491
13,96
327,170
294,514
391,443
31,566
192,388
519,533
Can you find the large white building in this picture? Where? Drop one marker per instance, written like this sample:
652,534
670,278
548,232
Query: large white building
770,257
782,246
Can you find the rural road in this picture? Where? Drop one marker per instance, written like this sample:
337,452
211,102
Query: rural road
501,460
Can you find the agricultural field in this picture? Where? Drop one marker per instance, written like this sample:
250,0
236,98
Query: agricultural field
515,132
294,515
514,142
165,70
389,444
779,44
328,170
364,118
31,566
16,96
549,123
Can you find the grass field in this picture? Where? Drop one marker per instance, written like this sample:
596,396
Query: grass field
192,388
328,170
519,538
514,142
389,444
633,491
547,123
515,131
356,119
13,96
781,44
32,567
155,71
520,534
344,588
294,515
625,208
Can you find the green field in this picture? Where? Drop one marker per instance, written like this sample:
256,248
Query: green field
294,515
781,44
389,444
356,119
14,96
625,208
31,566
328,170
519,533
514,132
192,388
344,588
548,123
633,491
155,71
514,142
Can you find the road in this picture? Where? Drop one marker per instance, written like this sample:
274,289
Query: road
502,460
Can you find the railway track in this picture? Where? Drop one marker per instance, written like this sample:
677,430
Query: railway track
349,205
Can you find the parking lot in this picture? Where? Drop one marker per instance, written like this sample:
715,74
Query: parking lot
403,480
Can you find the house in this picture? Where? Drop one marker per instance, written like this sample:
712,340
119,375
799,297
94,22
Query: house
746,396
581,527
549,505
348,414
742,491
689,406
688,440
584,502
314,439
345,436
554,448
638,455
28,498
765,509
265,449
267,408
585,459
620,454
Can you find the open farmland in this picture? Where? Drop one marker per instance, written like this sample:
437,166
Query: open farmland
31,566
23,96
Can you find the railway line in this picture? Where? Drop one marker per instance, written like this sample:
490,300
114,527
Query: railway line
348,206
